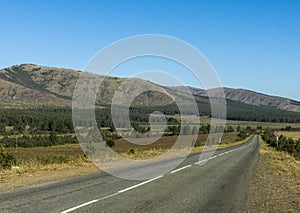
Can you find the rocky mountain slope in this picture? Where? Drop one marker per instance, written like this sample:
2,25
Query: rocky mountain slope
40,85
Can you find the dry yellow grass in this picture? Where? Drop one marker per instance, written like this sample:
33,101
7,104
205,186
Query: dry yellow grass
28,176
165,143
222,145
288,134
282,162
43,164
33,158
47,158
276,183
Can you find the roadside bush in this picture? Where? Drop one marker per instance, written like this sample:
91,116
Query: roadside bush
7,160
132,151
229,129
2,128
288,145
297,149
242,135
269,138
110,143
198,143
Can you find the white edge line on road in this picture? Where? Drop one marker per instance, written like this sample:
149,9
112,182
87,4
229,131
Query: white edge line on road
177,170
202,161
82,205
224,153
148,181
140,184
102,198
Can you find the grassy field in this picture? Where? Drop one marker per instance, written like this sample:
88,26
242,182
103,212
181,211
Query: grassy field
40,156
288,134
43,164
242,124
252,124
72,154
164,144
168,142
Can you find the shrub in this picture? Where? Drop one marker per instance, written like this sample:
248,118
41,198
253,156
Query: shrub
288,145
132,151
7,160
2,128
242,135
198,143
110,143
229,129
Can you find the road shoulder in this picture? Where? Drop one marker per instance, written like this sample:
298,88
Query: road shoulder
275,186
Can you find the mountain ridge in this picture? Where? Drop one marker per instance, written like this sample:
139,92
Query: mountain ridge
41,85
254,98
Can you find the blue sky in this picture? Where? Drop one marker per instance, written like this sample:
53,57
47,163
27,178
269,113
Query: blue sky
251,44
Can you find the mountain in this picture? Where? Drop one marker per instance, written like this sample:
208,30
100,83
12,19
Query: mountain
36,85
246,96
258,99
31,84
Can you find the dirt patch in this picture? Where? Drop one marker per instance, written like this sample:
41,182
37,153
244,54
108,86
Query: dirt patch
275,186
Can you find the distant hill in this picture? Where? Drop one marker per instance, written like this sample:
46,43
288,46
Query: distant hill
34,85
247,97
259,99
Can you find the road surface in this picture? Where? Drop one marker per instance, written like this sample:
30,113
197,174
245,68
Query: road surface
219,185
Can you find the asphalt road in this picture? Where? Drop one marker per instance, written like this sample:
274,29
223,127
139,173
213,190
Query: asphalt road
219,185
